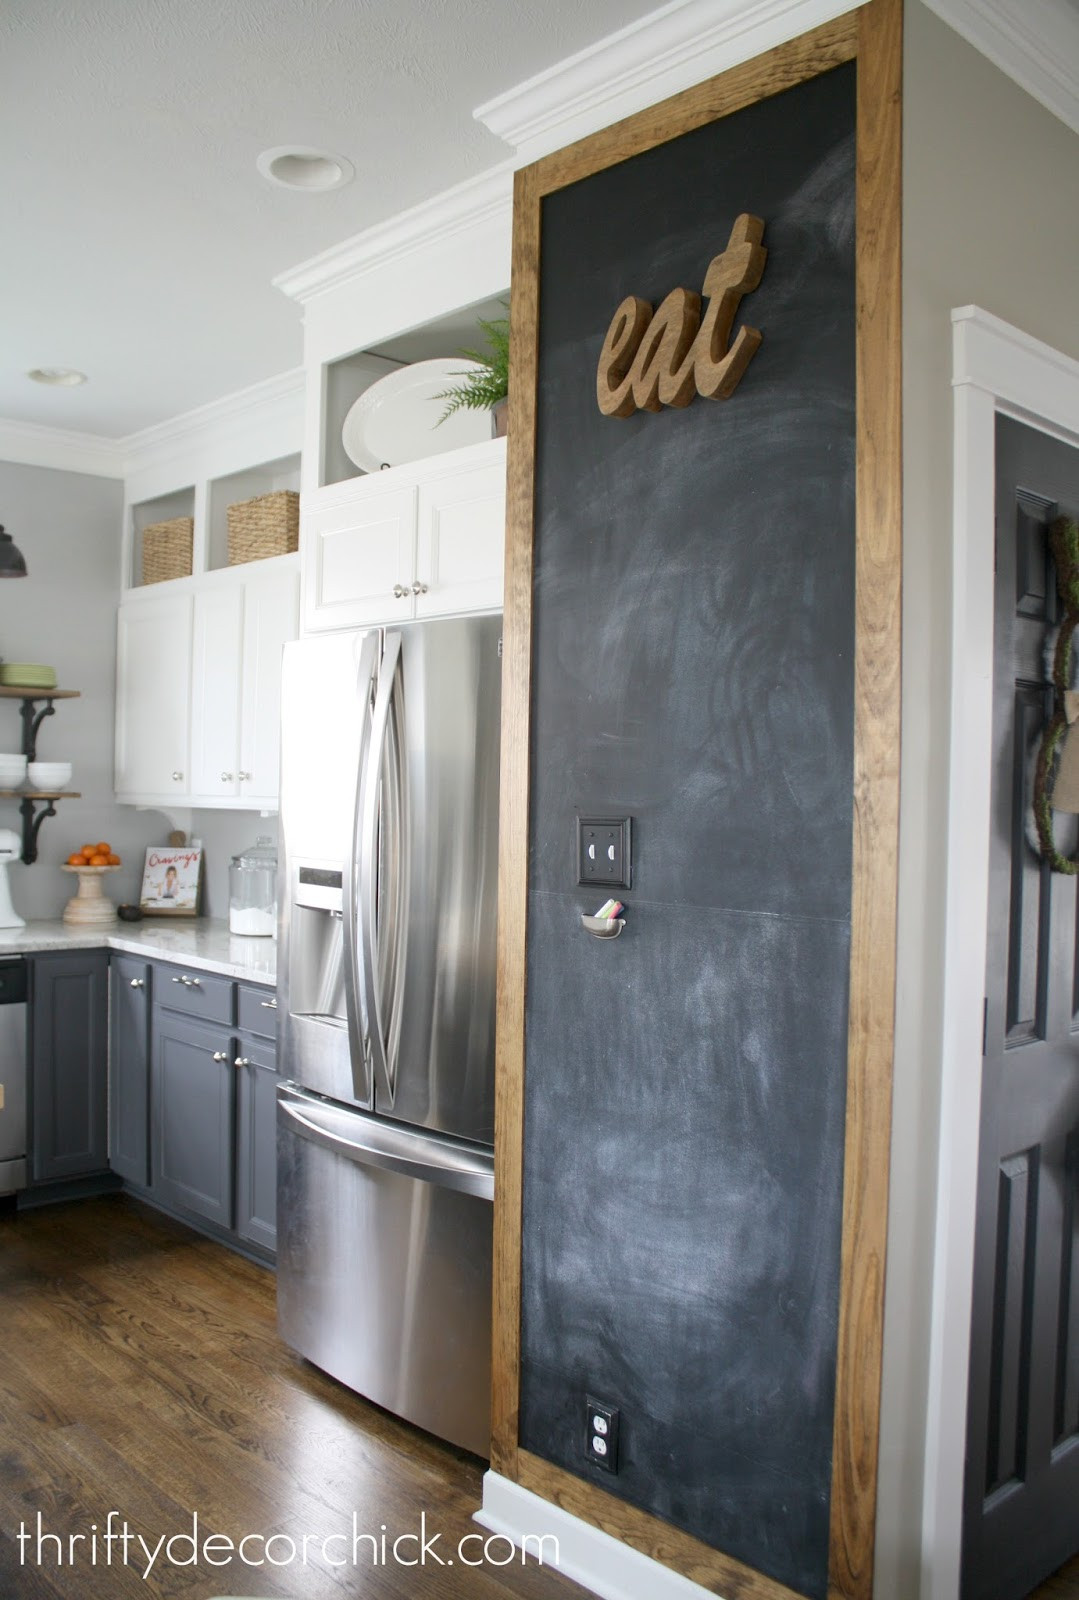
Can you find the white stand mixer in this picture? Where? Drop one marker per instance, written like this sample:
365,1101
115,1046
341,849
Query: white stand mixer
10,850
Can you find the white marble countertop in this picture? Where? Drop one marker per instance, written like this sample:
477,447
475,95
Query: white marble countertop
202,943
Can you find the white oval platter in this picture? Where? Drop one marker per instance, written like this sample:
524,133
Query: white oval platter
396,419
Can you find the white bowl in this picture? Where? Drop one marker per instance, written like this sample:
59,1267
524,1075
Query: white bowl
12,771
49,775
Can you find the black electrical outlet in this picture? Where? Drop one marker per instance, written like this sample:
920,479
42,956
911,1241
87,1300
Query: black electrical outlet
601,1434
603,851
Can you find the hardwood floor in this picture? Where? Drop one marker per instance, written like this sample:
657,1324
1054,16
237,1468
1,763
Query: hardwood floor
140,1373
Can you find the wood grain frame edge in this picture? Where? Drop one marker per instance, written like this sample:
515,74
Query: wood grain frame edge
513,827
856,1426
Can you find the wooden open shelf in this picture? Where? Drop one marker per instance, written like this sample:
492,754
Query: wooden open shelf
13,692
40,794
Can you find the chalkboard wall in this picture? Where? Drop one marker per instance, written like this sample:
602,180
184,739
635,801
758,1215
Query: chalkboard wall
693,648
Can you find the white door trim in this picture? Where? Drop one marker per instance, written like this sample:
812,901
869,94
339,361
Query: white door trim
995,368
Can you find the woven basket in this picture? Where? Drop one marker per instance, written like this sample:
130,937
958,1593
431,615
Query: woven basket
166,549
269,525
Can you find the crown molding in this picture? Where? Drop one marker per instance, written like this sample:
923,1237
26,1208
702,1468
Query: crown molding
1036,42
247,410
667,51
467,205
33,444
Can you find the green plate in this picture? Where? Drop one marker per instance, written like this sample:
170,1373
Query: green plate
27,675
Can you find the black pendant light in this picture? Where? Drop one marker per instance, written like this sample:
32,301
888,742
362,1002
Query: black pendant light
12,564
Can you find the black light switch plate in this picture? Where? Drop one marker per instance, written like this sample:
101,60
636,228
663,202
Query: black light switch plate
603,851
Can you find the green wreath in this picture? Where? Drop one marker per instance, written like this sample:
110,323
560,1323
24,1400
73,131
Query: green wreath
1064,547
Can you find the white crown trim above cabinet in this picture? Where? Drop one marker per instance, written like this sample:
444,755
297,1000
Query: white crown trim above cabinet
198,688
422,540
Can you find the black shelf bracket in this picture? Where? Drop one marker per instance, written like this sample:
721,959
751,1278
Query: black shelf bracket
31,825
31,722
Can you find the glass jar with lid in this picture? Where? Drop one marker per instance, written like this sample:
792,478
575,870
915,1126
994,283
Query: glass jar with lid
253,889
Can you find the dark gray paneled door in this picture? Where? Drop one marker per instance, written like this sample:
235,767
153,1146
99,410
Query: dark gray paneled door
1021,1501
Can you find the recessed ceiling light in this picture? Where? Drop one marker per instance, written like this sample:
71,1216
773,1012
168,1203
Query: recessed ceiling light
299,167
62,377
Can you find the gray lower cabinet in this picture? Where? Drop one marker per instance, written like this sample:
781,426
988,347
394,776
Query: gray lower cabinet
130,995
256,1146
69,1013
193,1115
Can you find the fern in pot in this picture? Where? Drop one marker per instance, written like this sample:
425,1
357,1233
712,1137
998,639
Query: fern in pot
484,387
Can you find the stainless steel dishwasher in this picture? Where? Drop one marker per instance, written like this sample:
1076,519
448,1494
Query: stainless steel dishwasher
12,1075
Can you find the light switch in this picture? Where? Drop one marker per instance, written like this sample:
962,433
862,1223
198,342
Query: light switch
603,851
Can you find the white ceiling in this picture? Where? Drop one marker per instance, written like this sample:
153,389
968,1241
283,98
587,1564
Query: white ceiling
139,240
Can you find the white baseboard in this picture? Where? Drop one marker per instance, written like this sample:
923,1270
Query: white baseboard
585,1554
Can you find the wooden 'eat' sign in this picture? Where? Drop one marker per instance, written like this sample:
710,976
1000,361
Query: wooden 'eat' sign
664,360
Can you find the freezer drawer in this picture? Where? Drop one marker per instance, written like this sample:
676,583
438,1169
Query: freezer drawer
384,1262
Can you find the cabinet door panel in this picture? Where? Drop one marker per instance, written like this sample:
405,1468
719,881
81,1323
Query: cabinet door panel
461,538
129,1069
69,1065
193,1116
271,619
215,693
355,555
153,679
256,1151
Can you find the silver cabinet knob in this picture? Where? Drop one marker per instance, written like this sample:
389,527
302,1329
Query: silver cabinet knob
245,777
138,983
419,588
226,777
188,983
177,777
241,1061
221,1055
399,591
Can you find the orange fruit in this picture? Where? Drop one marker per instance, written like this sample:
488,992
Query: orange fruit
88,850
99,860
104,848
114,860
76,860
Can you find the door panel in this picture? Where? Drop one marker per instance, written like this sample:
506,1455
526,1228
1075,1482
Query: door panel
271,619
153,708
129,1069
1022,1482
215,693
356,556
460,541
193,1116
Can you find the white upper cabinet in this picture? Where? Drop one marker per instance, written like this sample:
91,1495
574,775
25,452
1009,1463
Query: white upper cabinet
198,689
421,540
153,680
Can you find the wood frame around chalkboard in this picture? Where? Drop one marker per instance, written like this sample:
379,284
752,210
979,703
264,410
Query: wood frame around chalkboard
873,37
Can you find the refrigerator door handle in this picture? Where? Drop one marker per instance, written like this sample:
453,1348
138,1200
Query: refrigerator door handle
373,1143
359,1022
365,856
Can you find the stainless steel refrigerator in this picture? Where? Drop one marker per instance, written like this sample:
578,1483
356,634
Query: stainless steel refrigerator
386,988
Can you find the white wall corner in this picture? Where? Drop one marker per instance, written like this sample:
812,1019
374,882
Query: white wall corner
1036,42
466,206
34,444
681,44
577,1549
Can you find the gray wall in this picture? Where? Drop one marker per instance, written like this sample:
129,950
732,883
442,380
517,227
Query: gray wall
67,525
991,217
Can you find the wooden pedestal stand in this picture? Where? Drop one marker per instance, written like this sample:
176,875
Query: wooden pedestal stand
89,908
